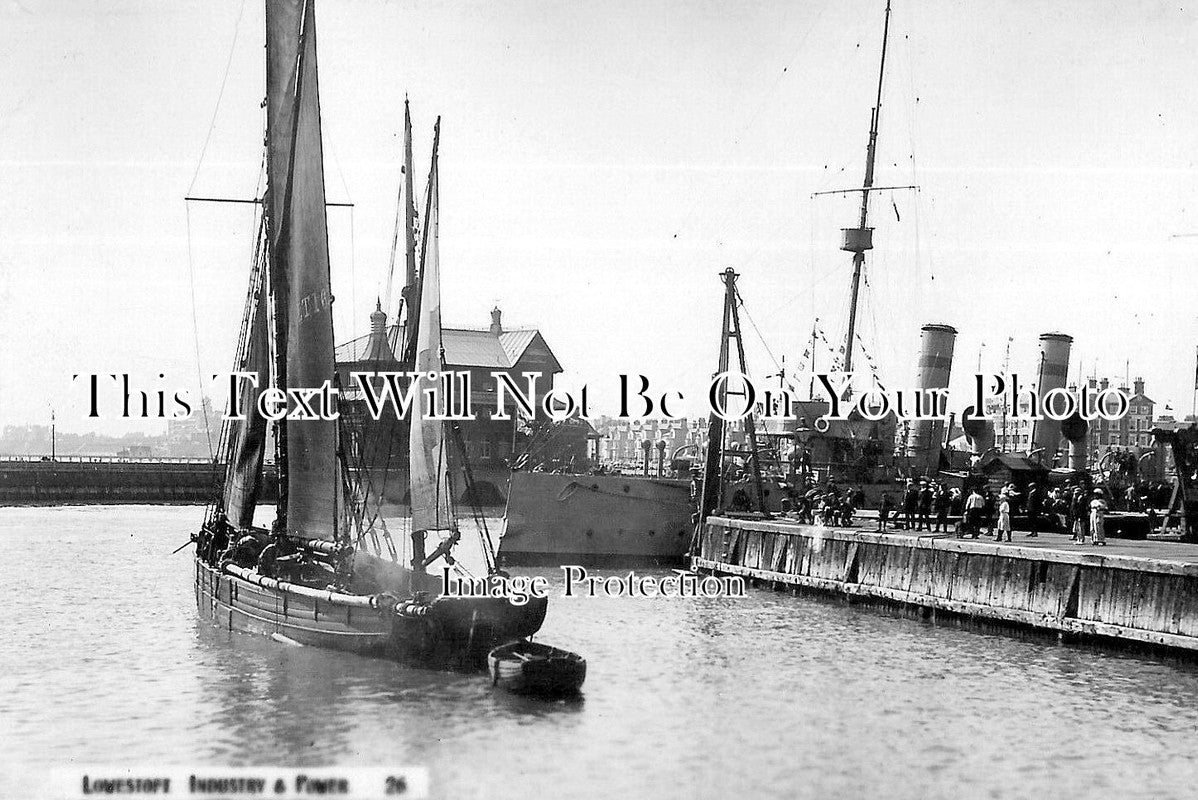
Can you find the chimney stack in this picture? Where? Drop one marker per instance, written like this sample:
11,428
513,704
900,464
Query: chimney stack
1054,368
1075,430
496,321
926,436
1139,387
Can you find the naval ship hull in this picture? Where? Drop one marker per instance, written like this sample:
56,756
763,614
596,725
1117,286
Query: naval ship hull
596,520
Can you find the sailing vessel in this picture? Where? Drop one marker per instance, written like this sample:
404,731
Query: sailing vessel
309,579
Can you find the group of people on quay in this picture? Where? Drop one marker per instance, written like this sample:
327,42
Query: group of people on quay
977,509
827,505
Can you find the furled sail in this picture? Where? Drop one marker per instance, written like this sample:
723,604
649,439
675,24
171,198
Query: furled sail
247,436
427,445
300,263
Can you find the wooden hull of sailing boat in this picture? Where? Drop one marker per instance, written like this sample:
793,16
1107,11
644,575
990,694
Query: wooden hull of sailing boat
449,632
470,628
239,605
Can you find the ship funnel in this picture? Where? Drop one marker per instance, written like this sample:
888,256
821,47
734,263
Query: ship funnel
1054,366
979,432
926,436
1074,429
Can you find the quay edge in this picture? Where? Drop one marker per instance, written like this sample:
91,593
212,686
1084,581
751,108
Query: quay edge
1140,601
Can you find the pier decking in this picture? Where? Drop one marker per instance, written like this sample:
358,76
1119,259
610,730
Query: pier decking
1143,592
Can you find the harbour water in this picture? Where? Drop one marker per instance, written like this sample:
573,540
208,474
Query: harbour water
104,661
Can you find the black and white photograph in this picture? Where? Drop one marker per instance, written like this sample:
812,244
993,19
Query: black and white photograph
451,400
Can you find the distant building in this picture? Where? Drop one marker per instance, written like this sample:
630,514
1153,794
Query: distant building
480,352
621,440
196,436
1133,430
1168,422
1014,434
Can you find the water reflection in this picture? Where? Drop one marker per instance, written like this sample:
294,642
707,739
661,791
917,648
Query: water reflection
768,696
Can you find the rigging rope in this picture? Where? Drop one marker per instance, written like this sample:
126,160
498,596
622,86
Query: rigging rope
399,201
757,330
223,81
750,120
195,330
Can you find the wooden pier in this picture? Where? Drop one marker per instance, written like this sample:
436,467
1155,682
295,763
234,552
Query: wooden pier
1134,592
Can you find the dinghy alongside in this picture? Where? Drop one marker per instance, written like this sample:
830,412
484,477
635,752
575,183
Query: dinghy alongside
526,667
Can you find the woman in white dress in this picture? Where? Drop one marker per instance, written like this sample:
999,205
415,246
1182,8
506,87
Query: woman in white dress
1098,518
1004,516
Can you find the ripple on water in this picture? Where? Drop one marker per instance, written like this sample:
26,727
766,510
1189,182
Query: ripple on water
771,696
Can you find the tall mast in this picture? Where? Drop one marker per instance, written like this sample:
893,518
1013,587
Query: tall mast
711,497
409,351
811,384
428,474
858,240
409,208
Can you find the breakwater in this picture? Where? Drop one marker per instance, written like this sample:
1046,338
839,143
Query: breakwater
1131,592
87,479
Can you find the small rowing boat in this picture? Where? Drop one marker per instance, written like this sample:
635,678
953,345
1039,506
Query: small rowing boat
525,667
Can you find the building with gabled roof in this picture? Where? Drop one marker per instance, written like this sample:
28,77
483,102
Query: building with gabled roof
479,351
490,444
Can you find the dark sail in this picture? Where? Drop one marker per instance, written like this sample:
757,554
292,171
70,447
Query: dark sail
300,251
247,437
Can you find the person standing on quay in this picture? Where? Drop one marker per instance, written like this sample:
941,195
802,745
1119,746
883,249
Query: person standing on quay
884,510
1098,518
1130,498
1081,515
940,502
988,509
925,507
1004,516
910,504
1033,509
974,506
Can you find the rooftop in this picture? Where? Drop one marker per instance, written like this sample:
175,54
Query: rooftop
464,347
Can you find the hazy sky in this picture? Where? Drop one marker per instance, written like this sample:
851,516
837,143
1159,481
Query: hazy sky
601,162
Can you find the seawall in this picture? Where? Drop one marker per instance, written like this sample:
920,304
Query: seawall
86,480
1132,592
